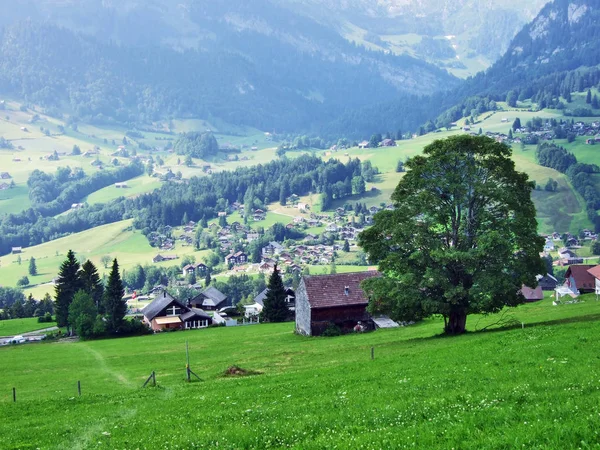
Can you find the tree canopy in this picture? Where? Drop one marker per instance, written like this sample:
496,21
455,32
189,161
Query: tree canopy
462,238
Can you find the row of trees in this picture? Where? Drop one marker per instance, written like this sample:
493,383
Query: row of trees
84,304
21,308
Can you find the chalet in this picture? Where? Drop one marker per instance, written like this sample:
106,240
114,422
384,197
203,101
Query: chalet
388,143
76,205
549,246
252,236
160,258
167,313
272,248
568,257
122,185
210,299
5,175
325,299
16,250
363,144
332,228
302,206
188,270
579,280
222,214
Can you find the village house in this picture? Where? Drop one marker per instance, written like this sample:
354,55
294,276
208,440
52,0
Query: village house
388,143
5,175
16,250
363,144
121,185
337,299
255,308
272,248
166,313
210,299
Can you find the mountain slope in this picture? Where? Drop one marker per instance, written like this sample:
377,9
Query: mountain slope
257,64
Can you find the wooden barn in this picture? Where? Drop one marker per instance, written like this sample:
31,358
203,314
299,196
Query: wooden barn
166,312
325,299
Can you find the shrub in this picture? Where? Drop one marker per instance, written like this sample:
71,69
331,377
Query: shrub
332,330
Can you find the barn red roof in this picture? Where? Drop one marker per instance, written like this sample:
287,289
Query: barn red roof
595,271
325,291
583,279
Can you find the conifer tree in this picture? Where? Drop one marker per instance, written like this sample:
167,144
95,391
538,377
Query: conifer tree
588,97
67,284
275,307
92,284
32,267
114,306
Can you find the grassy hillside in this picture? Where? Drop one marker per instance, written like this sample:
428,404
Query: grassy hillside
118,240
531,387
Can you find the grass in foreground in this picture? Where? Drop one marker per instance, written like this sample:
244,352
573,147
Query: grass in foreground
534,387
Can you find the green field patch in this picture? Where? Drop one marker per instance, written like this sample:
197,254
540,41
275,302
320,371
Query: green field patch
13,327
135,186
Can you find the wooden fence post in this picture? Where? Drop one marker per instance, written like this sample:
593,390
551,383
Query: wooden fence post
14,395
79,387
372,353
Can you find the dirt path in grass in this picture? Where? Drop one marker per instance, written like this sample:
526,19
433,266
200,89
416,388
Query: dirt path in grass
119,376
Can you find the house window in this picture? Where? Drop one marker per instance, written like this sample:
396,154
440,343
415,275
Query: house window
173,311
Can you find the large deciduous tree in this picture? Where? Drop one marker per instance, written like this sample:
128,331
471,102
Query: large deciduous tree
115,307
67,284
462,238
275,307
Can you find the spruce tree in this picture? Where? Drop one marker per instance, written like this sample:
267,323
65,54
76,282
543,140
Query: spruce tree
32,267
115,307
588,97
275,307
67,284
92,284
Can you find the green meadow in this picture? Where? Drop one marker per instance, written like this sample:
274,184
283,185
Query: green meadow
19,326
533,385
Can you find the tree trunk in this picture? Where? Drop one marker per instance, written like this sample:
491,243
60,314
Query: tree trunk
456,322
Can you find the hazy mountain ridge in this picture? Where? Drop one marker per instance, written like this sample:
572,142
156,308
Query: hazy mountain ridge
564,37
262,66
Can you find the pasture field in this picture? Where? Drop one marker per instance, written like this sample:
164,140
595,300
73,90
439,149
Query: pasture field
117,240
13,327
532,387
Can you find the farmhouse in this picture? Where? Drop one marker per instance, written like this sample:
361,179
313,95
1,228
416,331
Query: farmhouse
5,175
167,313
16,250
122,185
210,299
337,299
363,144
